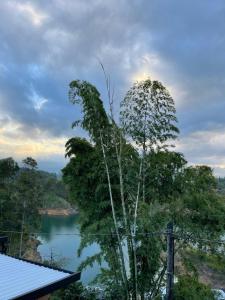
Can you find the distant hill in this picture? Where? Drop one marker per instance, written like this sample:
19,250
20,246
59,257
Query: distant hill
221,185
53,190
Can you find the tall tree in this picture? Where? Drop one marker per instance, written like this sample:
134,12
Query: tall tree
148,115
30,162
8,171
107,175
27,197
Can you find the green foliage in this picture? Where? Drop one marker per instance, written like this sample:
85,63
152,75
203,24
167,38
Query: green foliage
94,117
214,261
8,169
29,162
51,200
54,193
200,209
107,176
28,189
74,291
22,192
164,175
78,146
188,288
85,178
148,114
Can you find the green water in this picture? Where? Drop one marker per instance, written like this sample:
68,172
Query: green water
61,240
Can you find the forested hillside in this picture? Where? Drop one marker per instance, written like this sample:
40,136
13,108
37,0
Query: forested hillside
53,189
23,191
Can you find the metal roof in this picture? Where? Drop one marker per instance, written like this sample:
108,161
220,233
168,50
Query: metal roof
20,279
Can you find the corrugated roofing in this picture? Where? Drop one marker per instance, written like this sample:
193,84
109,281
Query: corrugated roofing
18,277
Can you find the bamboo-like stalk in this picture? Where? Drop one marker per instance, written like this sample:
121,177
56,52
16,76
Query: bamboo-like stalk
137,197
130,241
135,226
118,151
144,155
119,156
22,228
123,270
157,285
120,170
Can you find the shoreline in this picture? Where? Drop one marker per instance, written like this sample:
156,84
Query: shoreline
31,252
58,211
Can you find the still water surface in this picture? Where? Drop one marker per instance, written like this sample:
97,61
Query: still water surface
59,241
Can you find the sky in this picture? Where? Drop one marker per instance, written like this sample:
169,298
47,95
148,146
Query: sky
47,44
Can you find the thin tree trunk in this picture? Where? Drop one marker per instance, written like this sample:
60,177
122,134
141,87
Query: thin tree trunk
129,239
113,250
135,227
119,158
123,270
119,154
22,228
134,269
156,287
137,197
143,177
130,243
144,154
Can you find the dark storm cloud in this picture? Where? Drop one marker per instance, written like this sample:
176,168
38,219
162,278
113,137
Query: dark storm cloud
46,44
66,44
190,36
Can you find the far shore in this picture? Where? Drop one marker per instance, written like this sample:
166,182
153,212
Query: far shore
58,211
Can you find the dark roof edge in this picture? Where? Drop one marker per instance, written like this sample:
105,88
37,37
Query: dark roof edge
48,289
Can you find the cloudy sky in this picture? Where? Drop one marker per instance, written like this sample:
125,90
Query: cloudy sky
46,44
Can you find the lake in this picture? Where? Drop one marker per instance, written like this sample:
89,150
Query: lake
58,242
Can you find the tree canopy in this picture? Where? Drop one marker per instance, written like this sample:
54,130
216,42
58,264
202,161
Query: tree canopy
127,196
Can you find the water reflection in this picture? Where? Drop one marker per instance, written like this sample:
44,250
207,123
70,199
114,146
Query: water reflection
53,225
60,239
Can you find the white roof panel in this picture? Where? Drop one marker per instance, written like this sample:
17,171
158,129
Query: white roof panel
18,277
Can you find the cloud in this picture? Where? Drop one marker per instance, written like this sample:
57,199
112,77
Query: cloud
46,44
37,100
16,143
205,148
35,16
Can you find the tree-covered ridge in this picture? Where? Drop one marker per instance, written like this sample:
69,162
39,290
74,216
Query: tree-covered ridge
128,184
23,191
52,190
